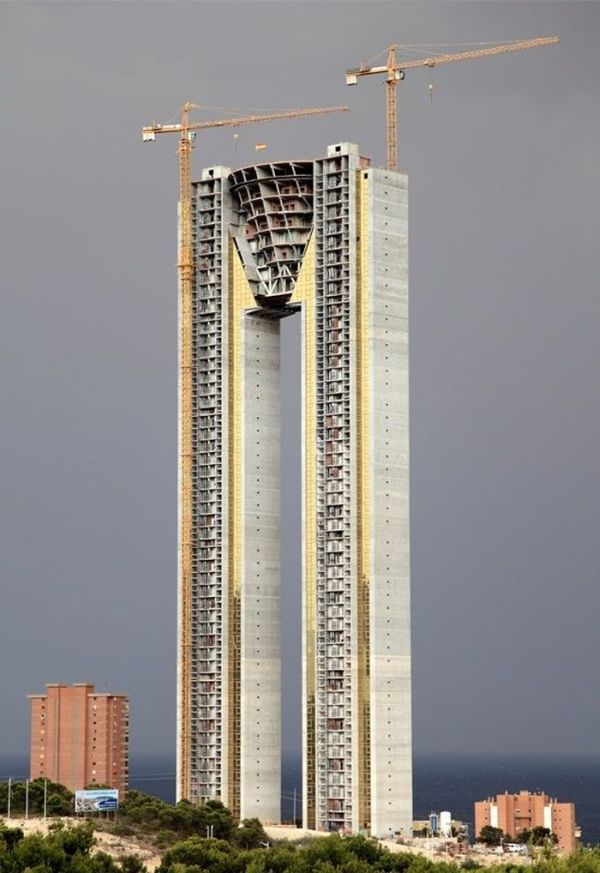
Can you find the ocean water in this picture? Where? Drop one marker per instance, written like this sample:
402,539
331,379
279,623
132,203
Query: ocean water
455,783
440,783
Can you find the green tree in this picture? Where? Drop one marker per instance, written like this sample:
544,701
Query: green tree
58,804
540,836
174,818
328,850
100,863
35,850
77,840
397,863
250,834
131,864
10,836
214,855
217,818
365,848
61,803
490,835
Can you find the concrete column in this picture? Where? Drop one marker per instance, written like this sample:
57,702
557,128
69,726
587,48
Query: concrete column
260,674
390,662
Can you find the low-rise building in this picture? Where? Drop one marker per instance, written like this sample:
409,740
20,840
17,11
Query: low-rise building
79,737
515,813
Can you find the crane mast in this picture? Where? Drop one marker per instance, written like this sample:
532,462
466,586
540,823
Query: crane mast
185,266
394,71
391,83
186,383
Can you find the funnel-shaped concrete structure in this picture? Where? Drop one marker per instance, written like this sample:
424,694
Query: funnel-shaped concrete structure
275,213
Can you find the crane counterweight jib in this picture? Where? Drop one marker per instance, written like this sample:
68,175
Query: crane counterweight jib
149,131
449,57
394,71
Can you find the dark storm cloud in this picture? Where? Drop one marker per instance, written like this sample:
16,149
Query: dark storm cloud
505,222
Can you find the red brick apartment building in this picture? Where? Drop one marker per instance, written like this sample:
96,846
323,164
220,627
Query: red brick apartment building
514,813
79,737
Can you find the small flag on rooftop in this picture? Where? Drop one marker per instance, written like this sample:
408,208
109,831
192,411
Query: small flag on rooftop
260,146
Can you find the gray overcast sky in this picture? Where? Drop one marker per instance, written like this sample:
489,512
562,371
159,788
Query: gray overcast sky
505,316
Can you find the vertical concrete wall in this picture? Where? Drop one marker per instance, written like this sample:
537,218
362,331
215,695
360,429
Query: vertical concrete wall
260,693
390,661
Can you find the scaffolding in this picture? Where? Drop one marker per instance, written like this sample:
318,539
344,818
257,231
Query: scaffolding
206,679
334,735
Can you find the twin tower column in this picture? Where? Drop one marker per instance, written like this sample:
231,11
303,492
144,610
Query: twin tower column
352,295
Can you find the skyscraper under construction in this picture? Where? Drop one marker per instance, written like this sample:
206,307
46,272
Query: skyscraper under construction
326,239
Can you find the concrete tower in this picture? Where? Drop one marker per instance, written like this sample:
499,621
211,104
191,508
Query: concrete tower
326,239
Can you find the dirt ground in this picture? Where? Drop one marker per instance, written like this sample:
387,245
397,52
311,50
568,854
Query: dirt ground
419,846
109,843
119,846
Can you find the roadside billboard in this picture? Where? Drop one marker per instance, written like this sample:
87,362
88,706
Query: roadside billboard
98,800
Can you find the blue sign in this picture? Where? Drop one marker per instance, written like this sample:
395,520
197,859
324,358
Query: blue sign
99,800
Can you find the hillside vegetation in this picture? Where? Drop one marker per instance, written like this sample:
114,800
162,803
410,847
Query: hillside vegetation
70,850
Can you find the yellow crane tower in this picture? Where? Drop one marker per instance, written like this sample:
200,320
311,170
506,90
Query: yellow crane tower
394,71
186,129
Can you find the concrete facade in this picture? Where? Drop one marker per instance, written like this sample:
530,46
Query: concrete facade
79,737
260,686
514,813
391,746
326,238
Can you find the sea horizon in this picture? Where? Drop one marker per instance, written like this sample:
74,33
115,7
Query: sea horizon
441,781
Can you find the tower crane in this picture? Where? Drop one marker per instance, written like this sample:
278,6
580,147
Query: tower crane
394,71
186,129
